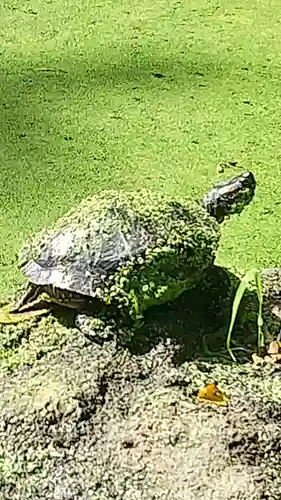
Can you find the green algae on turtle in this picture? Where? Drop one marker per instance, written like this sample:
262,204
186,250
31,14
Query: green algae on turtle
126,251
168,245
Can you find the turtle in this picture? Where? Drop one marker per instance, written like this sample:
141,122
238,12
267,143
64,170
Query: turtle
119,252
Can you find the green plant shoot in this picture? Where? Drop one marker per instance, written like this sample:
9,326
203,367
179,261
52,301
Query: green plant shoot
251,275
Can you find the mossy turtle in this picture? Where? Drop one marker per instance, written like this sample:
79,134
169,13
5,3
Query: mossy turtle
119,252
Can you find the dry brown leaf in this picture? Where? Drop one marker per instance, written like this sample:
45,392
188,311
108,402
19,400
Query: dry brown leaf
212,394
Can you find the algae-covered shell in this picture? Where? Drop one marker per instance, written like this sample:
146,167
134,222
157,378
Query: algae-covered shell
131,248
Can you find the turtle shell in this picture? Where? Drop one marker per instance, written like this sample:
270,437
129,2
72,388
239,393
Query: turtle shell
116,242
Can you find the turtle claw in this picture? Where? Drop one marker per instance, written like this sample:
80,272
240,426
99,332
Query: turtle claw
9,314
8,318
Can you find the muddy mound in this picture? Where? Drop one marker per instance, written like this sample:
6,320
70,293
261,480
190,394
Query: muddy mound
101,422
98,422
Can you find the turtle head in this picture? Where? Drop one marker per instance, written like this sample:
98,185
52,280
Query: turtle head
230,197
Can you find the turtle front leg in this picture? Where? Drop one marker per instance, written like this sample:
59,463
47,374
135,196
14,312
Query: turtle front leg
9,314
13,318
42,298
